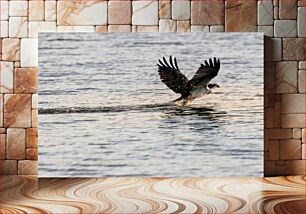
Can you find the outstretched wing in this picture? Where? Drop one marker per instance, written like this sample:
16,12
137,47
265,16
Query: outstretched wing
171,75
206,72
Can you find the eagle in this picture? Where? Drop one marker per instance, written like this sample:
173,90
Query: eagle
196,87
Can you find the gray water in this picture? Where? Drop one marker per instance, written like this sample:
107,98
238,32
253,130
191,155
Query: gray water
105,112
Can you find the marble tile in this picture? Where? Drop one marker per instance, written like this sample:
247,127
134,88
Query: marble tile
180,10
134,28
266,140
7,77
239,16
8,167
75,29
1,110
29,53
101,28
280,133
273,49
281,162
301,3
74,12
25,80
269,168
17,110
280,169
304,151
267,30
274,150
15,144
207,12
277,117
4,29
119,12
27,167
275,13
290,149
2,130
304,135
301,81
2,146
145,12
50,10
154,195
269,99
119,28
297,133
265,12
287,9
293,120
293,103
31,138
183,26
216,28
32,154
147,28
167,25
293,49
39,26
17,64
165,9
199,28
18,27
35,99
295,167
11,49
269,118
285,28
18,8
36,10
302,65
34,118
4,10
301,22
286,77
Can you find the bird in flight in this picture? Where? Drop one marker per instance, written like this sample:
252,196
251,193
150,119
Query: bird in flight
191,89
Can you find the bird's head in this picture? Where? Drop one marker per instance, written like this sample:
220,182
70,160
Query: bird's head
213,85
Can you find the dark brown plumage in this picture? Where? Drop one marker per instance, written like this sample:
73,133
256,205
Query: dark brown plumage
172,77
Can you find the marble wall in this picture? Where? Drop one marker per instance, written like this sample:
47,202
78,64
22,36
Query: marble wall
282,21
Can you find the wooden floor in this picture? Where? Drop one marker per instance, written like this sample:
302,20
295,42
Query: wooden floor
139,195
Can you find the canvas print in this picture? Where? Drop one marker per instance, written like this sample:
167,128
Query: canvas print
150,104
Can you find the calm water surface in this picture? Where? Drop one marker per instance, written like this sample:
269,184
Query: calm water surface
105,112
